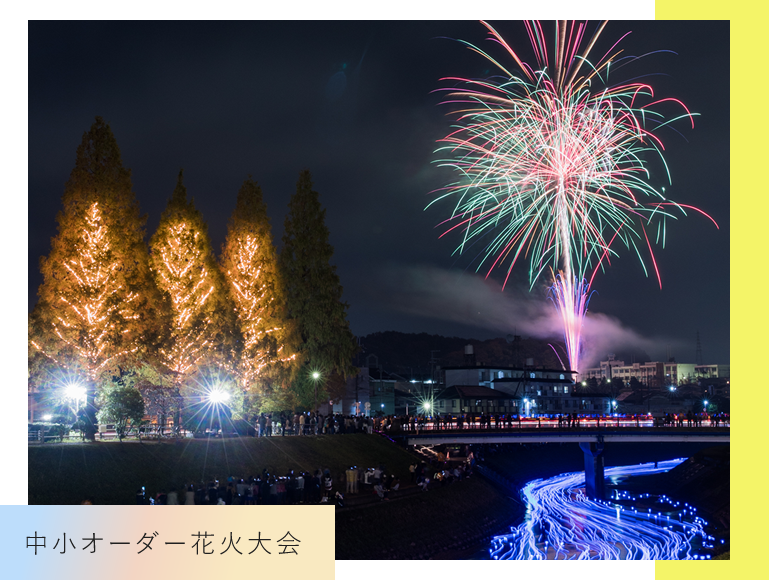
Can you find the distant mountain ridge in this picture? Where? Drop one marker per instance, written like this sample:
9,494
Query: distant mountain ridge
409,354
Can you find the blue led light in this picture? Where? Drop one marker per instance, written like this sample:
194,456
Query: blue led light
561,517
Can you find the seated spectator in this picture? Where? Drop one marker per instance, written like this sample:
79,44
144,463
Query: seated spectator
381,492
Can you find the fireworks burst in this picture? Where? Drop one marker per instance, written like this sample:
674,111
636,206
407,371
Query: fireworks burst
553,164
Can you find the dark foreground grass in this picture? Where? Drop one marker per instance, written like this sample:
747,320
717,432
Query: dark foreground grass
111,472
450,522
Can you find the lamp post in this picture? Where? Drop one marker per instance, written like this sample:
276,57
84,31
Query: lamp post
316,375
76,393
218,398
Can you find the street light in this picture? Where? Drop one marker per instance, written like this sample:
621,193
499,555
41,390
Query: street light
76,393
316,375
218,396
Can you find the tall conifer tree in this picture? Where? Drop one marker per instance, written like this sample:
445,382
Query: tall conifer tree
314,293
186,272
97,305
250,267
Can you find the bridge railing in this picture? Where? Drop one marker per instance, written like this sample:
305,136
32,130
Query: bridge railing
630,423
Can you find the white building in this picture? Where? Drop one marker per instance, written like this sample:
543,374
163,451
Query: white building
712,371
530,391
656,375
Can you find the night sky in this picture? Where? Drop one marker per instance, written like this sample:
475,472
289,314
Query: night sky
353,103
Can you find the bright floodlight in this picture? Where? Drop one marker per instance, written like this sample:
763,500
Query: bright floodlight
46,417
705,402
75,392
316,375
218,396
426,404
672,388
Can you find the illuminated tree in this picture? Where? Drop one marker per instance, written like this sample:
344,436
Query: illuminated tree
186,272
97,305
250,267
314,294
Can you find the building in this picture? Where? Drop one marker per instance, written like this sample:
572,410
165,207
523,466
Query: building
374,391
712,371
650,373
356,399
656,375
528,391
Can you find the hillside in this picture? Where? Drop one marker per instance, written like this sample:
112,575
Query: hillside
409,354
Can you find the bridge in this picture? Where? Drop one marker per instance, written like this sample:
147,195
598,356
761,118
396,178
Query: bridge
575,435
590,439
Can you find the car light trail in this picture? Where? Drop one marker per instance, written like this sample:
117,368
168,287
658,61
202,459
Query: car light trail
562,523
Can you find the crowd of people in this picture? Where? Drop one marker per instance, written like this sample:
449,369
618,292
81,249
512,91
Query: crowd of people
415,424
691,419
265,488
281,424
302,487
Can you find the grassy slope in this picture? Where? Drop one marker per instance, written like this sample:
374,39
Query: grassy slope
111,472
447,522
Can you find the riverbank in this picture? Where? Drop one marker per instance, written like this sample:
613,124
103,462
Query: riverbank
453,521
111,472
449,522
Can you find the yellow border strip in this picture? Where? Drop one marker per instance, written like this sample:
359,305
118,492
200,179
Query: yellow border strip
748,286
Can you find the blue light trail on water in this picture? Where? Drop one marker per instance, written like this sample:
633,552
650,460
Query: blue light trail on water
562,523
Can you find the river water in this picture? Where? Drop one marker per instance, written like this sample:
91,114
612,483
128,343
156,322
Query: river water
562,523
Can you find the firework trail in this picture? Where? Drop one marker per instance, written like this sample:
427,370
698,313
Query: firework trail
553,166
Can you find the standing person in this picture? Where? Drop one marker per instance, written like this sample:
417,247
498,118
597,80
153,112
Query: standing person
349,475
172,498
262,425
189,497
300,488
327,484
302,424
200,494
